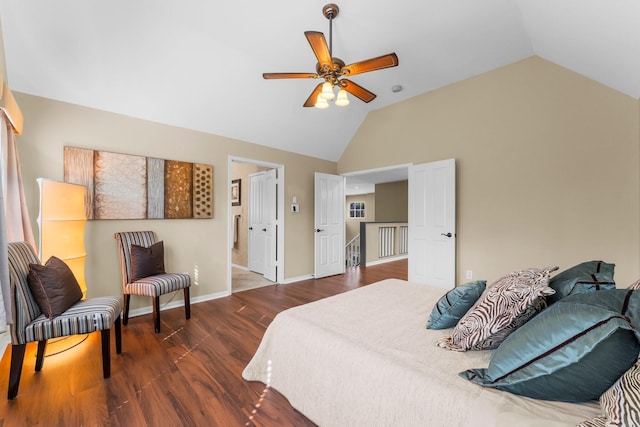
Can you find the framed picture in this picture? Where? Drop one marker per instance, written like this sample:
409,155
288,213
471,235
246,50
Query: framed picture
235,192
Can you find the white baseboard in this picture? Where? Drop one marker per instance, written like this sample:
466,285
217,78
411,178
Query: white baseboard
385,260
175,304
240,267
297,279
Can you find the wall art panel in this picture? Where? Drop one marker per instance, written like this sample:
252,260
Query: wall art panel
123,186
178,189
202,191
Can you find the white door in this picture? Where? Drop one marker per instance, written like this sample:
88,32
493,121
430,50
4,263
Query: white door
432,223
263,223
256,225
329,225
270,196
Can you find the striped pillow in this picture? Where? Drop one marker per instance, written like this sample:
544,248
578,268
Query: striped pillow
621,403
506,306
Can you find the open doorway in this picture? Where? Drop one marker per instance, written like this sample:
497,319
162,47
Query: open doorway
378,200
431,228
245,199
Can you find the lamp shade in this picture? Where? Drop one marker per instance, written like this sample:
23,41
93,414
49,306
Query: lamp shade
321,103
327,91
62,220
342,100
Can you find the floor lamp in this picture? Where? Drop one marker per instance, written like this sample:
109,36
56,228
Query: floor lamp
62,220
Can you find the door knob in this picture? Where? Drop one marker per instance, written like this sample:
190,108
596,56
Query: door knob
250,228
317,230
446,234
264,229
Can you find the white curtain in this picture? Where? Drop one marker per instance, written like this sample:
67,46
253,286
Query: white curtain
14,217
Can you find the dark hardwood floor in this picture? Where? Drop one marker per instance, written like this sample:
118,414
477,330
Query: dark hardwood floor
188,375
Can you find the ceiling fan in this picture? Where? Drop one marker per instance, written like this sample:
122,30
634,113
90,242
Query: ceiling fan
333,70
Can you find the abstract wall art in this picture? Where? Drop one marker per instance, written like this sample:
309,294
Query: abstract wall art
124,186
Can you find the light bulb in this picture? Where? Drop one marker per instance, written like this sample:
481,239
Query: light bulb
327,91
321,103
342,100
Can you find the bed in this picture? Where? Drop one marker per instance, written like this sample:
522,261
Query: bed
365,358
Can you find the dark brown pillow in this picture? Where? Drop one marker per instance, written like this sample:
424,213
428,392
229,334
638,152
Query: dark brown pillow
146,262
54,287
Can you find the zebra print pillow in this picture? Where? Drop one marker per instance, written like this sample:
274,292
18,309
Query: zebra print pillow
621,403
506,306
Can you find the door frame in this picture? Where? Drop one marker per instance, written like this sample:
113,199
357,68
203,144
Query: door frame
279,222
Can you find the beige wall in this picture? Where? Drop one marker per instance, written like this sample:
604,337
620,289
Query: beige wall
547,166
353,224
241,171
50,125
392,202
547,173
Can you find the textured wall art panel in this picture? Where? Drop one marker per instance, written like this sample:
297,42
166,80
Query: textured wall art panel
155,188
119,186
178,189
202,191
78,169
122,186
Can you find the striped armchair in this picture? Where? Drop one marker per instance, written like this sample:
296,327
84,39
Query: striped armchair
152,286
30,324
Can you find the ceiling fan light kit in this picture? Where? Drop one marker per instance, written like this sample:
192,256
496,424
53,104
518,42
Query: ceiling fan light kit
333,70
342,100
327,91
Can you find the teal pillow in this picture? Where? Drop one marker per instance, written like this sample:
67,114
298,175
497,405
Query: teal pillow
455,304
582,278
622,301
571,352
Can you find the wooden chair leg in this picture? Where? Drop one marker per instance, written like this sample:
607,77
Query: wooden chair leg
156,313
17,357
106,355
40,355
187,304
118,329
125,309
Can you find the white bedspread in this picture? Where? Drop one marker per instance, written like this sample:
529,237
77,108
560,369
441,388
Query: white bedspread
365,358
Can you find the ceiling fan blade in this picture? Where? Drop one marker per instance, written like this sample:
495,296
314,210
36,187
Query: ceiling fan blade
289,76
311,101
320,49
384,61
357,90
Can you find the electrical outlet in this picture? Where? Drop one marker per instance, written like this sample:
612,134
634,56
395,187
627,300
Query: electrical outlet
469,274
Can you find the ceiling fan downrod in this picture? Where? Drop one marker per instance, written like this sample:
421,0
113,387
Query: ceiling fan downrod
330,11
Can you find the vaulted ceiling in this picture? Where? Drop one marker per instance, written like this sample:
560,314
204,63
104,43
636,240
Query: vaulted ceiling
198,64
